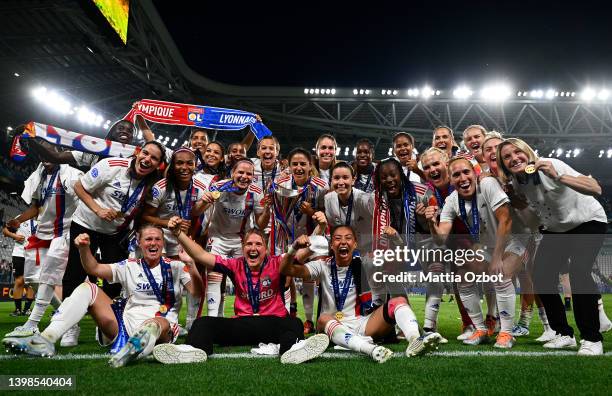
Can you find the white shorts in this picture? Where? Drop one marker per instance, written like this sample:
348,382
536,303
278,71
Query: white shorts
54,260
357,324
226,247
31,268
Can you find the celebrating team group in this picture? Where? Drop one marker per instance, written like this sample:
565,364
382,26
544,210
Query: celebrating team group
128,238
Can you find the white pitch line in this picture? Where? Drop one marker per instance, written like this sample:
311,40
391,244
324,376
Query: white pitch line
327,355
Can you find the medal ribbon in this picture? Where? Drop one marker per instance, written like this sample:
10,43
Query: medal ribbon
165,296
365,186
349,209
409,206
130,200
184,209
226,187
253,291
340,298
475,229
44,194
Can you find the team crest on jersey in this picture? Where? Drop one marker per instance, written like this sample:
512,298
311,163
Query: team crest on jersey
122,262
155,192
117,184
266,281
94,172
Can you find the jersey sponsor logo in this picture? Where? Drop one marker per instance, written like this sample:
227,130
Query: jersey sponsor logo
145,286
94,172
118,194
234,212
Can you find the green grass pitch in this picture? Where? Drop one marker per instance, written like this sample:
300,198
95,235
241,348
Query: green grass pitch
334,375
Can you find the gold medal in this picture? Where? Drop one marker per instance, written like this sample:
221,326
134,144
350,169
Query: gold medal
163,309
216,194
529,169
339,315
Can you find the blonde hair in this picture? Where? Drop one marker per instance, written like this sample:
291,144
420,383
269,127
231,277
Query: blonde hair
434,150
503,172
492,135
475,126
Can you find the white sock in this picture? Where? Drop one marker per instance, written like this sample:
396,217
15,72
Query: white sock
213,294
287,298
407,321
603,318
543,318
342,336
71,311
432,304
308,294
151,326
471,301
193,305
506,302
43,299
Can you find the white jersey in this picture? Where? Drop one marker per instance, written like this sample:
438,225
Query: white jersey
325,174
321,270
413,177
297,222
111,185
490,197
362,213
166,203
27,229
559,207
140,295
57,202
85,160
268,175
233,214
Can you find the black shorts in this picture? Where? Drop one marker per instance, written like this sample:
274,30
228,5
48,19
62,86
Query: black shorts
18,263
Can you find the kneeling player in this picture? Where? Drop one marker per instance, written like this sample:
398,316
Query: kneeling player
341,317
152,284
259,306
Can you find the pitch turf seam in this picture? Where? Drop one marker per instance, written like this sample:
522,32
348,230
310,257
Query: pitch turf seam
326,355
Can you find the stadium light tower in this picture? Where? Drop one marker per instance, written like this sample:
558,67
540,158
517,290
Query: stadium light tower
588,94
462,92
495,93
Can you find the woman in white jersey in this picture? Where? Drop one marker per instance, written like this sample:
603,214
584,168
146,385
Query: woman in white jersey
296,198
573,225
152,286
485,210
111,194
342,316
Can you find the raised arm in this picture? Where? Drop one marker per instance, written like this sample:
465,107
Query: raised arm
583,184
194,250
46,151
141,124
439,229
89,262
195,286
287,267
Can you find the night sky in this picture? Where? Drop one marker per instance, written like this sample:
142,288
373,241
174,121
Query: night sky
385,46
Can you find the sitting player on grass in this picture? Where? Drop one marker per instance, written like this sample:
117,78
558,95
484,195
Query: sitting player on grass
152,284
341,319
259,306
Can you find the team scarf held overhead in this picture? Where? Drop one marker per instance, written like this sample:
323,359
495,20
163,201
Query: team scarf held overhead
72,140
197,116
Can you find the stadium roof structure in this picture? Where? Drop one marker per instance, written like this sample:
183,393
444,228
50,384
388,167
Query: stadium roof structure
56,43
